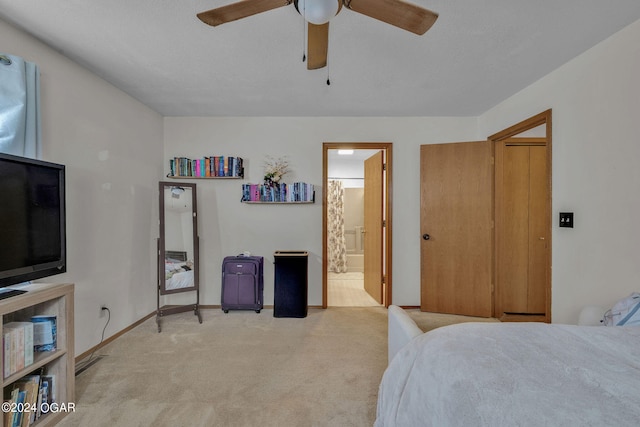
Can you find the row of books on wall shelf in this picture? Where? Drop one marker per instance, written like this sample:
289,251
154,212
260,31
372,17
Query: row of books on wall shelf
207,167
21,340
278,193
28,398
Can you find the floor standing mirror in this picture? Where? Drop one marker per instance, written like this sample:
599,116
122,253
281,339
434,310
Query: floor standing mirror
178,263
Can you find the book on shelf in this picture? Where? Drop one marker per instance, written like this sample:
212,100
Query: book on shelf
31,396
255,192
47,392
14,418
30,386
44,333
208,166
18,348
283,193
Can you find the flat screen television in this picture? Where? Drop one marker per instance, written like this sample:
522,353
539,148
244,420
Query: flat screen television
32,220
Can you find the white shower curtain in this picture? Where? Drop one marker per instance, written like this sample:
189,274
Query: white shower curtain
336,245
20,133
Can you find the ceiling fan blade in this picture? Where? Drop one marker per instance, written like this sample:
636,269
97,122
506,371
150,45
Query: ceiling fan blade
239,10
317,45
399,13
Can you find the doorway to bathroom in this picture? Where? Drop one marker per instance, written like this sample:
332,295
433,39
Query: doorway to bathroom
356,224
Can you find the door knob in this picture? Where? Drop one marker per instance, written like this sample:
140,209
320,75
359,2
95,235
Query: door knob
425,236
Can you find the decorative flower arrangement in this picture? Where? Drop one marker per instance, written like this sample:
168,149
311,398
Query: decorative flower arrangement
274,170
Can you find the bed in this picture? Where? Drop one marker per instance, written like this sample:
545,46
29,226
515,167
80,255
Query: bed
178,270
512,374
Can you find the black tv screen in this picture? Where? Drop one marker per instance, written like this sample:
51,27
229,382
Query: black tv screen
32,219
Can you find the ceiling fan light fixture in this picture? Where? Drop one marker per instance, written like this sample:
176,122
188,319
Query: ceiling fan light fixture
318,12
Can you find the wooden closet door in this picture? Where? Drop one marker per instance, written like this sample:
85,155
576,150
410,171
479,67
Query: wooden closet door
539,214
522,215
513,232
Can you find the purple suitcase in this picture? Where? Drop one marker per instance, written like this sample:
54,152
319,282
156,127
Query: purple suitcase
242,283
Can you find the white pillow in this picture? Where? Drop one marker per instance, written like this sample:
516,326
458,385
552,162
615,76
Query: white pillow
625,312
592,315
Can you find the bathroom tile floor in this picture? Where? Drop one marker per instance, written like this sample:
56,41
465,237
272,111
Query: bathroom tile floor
347,290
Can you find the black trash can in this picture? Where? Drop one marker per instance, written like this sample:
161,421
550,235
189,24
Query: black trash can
290,284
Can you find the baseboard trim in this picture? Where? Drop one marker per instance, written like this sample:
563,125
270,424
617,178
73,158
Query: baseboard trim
113,337
523,317
219,307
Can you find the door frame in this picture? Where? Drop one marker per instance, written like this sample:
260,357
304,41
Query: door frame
387,237
543,118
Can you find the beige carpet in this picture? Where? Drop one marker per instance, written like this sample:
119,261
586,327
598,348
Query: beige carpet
239,369
242,369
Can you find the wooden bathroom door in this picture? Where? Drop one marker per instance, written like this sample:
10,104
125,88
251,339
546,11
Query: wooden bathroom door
373,225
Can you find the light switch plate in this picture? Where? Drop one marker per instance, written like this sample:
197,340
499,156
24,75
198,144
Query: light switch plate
566,219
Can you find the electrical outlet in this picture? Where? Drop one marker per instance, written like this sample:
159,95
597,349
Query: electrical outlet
103,310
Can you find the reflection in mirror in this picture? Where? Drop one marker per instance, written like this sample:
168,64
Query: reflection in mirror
178,264
178,238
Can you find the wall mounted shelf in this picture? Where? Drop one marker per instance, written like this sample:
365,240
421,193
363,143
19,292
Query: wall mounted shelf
203,177
297,192
208,167
249,202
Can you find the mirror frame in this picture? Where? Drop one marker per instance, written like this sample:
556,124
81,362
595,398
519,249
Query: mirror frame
161,241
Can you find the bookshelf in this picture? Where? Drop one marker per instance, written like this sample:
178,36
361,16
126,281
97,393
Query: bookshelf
257,202
283,194
202,177
51,300
207,167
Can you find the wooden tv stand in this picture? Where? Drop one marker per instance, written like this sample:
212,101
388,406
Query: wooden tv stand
54,300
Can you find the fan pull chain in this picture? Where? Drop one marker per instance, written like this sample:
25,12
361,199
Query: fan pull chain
328,62
304,39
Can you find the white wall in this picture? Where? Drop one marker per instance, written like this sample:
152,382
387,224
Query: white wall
596,102
228,227
596,156
111,146
348,166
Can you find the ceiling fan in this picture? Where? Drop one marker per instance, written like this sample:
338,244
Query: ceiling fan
317,13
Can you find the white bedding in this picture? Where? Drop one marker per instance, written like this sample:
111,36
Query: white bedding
177,276
514,374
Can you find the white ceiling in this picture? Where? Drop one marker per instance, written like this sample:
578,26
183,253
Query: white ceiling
477,54
347,166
